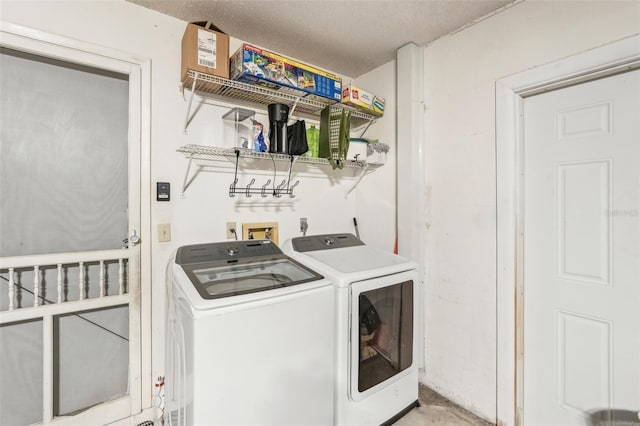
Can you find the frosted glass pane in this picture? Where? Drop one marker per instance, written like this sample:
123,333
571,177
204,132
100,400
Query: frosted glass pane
93,355
21,373
63,153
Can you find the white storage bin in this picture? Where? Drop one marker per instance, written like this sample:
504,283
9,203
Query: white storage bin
357,150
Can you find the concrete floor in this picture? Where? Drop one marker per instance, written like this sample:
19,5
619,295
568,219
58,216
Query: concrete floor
437,410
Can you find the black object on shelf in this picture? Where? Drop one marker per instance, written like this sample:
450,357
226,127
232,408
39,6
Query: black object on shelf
278,117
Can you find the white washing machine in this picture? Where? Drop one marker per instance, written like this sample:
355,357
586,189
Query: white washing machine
249,338
376,374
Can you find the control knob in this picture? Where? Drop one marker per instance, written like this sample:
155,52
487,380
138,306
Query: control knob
329,241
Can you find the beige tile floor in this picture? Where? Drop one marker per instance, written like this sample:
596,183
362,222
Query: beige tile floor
437,410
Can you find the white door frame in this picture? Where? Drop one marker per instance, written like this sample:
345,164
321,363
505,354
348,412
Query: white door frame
616,57
139,71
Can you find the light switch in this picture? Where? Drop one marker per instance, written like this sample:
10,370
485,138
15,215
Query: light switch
164,232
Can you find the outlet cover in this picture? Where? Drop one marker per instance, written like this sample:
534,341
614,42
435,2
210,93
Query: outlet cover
231,226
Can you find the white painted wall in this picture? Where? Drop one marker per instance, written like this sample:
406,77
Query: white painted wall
376,195
460,75
201,215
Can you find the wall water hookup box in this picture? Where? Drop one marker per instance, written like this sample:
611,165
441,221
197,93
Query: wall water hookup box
260,231
163,191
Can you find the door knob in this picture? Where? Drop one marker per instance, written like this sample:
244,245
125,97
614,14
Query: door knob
134,239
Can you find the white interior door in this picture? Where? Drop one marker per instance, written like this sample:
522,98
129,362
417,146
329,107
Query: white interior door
582,252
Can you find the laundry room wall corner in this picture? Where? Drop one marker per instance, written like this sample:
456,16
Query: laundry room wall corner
461,73
375,196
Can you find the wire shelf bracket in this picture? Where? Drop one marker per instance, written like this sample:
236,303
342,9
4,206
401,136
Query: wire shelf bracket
187,181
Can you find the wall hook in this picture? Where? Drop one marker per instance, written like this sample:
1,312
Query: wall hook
232,188
249,190
264,188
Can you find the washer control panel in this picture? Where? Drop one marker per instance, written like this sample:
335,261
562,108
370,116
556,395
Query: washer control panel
325,242
226,251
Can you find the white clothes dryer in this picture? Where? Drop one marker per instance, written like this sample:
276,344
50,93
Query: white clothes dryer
376,376
249,338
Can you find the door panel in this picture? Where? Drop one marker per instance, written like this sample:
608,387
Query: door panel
577,391
584,190
65,152
71,154
581,251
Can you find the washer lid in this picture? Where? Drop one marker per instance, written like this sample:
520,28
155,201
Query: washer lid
345,255
358,259
219,270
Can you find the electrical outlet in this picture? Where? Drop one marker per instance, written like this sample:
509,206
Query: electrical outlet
304,225
231,230
164,232
260,231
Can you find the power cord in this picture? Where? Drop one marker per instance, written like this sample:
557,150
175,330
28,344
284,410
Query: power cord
274,173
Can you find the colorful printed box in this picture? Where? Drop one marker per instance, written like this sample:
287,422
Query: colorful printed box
361,99
254,65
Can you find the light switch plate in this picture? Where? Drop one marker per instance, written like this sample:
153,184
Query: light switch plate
164,232
231,230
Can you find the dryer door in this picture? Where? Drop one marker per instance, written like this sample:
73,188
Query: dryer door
383,322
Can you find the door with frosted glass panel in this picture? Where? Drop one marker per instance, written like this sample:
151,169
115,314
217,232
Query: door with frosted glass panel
69,252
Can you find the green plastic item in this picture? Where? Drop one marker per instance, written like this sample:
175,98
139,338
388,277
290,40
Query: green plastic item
313,140
343,143
334,136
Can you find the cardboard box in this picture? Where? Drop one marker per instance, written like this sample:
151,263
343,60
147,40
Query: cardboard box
361,99
204,50
251,64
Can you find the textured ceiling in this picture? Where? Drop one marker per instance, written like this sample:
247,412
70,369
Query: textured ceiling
349,37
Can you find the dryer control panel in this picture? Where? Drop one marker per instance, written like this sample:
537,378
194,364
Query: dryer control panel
325,242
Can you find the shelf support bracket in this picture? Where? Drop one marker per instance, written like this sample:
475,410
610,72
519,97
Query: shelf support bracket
187,181
293,108
362,173
367,128
187,119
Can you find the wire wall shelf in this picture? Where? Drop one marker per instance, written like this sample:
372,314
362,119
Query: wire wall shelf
207,85
212,154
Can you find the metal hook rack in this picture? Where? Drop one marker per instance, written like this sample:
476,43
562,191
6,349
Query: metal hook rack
284,188
201,157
